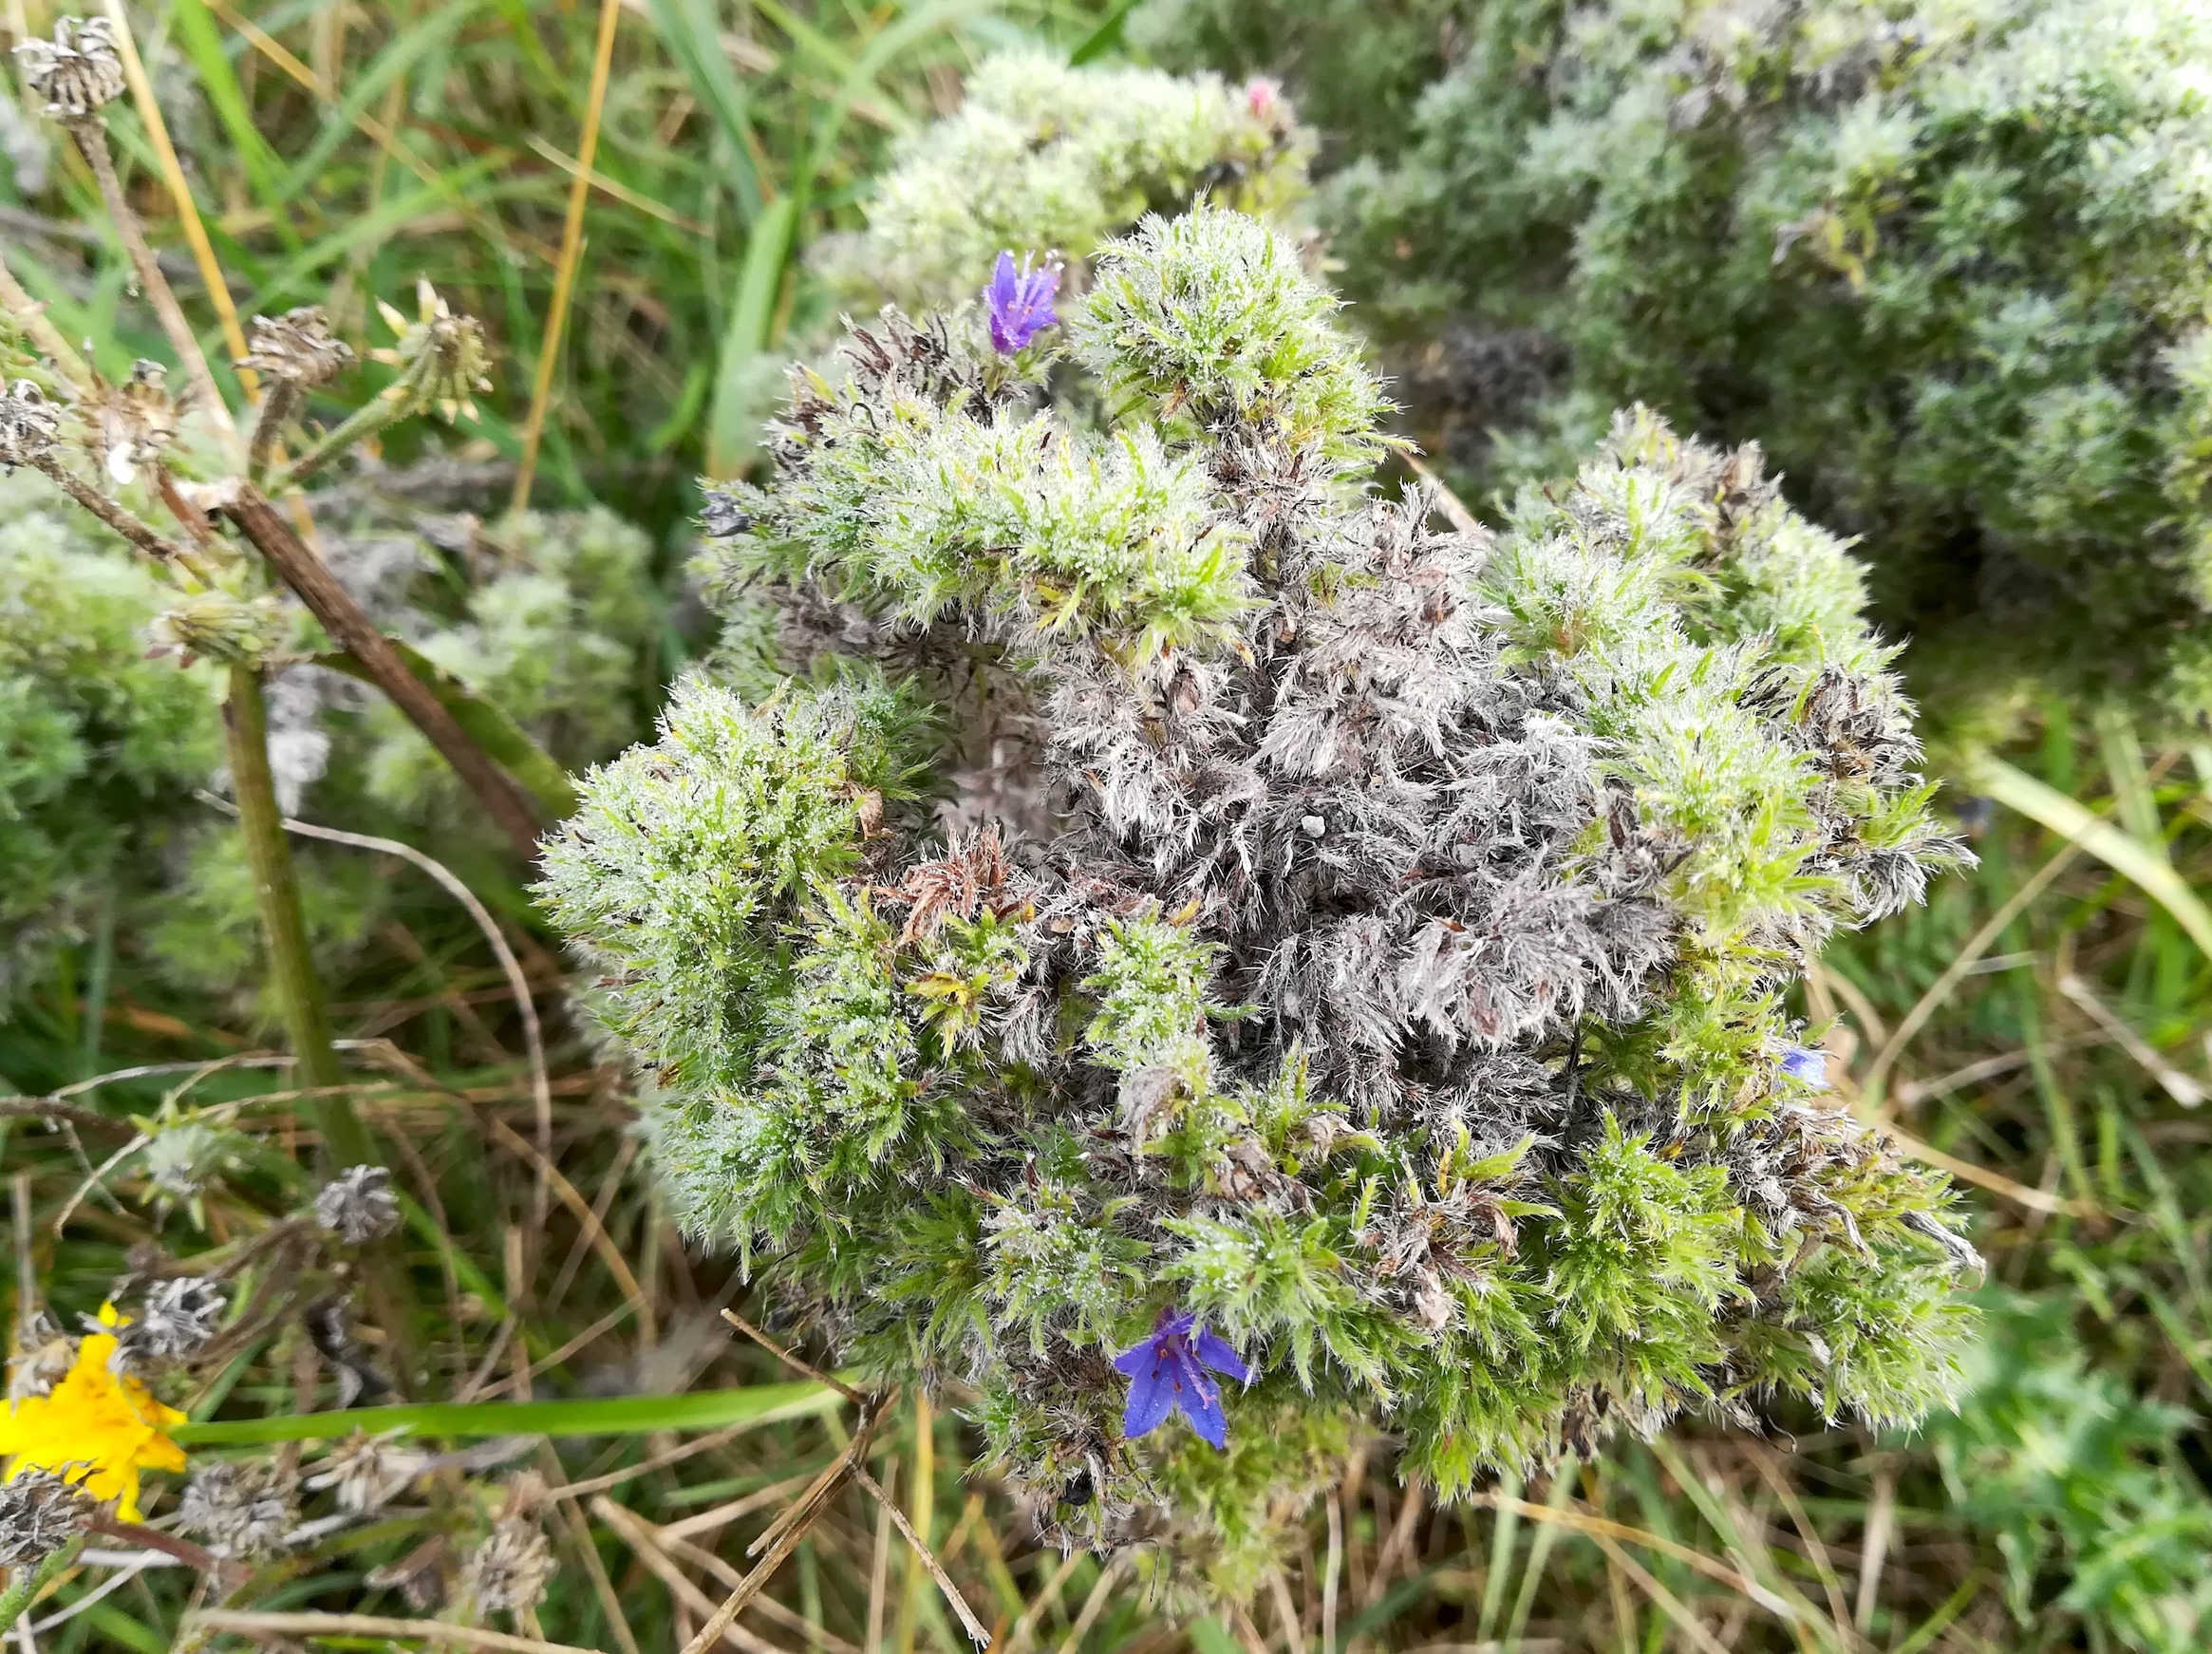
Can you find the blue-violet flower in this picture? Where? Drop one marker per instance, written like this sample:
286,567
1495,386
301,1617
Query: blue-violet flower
1019,298
1809,1066
1167,1371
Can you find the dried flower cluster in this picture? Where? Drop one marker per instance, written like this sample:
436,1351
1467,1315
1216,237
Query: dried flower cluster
40,1511
238,1508
298,348
508,1572
175,1321
359,1206
1386,972
79,73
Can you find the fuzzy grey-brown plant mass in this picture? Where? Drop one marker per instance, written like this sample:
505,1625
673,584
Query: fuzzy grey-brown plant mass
240,1510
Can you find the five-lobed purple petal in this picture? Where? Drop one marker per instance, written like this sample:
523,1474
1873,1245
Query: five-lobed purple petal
1168,1371
1020,300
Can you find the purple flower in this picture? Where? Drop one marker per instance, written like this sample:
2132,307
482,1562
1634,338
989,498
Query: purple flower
1809,1066
1021,301
1167,1371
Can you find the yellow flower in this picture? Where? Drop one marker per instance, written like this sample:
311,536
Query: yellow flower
97,1427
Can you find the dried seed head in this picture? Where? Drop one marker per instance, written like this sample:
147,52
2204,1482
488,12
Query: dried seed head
509,1570
358,1205
39,1511
365,1472
222,626
78,72
129,424
297,347
173,1324
442,357
237,1510
28,424
42,1357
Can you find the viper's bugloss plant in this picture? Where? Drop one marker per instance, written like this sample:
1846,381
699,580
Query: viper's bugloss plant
1044,158
1185,890
1942,259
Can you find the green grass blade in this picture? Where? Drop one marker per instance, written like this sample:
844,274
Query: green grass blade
693,34
203,42
605,1415
1104,38
752,312
2120,850
880,53
433,34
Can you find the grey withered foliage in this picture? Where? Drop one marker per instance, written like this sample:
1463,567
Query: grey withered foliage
1381,962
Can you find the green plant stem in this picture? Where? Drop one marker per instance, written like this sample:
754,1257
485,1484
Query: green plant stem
292,968
299,994
362,423
605,1416
28,1581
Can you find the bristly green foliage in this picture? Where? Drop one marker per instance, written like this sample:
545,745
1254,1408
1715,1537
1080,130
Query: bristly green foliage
555,625
1211,318
929,496
1388,971
1041,157
100,746
2083,1481
110,728
1943,260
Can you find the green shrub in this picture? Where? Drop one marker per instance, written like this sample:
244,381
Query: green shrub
1041,157
99,746
1391,978
1943,260
2083,1483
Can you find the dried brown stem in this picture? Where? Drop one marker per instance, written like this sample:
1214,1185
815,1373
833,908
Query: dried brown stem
280,405
194,1556
975,1627
377,1625
92,139
353,630
124,522
45,1108
794,1362
791,1526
